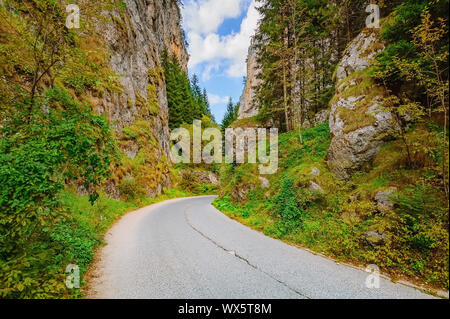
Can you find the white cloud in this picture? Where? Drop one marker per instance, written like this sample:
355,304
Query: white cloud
205,16
216,99
206,46
210,68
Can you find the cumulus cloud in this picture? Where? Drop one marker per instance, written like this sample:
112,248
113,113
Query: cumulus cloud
216,99
205,16
207,46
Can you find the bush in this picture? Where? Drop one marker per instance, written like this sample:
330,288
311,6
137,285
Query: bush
189,181
285,203
131,189
39,154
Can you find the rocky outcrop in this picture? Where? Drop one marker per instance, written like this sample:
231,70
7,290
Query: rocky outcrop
264,182
314,187
248,105
356,121
136,38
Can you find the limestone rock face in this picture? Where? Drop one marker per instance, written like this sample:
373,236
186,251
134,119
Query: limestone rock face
248,105
359,54
136,40
356,121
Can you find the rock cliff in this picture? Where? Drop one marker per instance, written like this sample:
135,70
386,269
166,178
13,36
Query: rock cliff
137,39
248,104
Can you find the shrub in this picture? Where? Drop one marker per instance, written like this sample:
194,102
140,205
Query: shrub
189,181
131,189
38,156
285,203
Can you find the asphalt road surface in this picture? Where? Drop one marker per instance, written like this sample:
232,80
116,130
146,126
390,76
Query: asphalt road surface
185,248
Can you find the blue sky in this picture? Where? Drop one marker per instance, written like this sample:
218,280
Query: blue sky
219,32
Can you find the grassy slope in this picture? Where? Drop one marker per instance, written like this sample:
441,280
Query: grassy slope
334,222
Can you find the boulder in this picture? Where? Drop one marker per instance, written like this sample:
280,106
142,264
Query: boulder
375,238
314,187
358,125
384,199
315,171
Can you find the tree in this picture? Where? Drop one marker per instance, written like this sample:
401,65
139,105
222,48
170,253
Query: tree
431,72
187,102
45,36
299,45
415,63
231,114
207,106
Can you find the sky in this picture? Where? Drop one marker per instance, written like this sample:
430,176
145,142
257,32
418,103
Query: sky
219,33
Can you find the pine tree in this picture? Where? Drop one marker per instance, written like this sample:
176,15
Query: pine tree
207,106
231,114
185,98
299,44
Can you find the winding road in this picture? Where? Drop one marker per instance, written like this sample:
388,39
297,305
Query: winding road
185,248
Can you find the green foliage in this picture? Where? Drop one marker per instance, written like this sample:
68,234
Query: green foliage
39,271
206,189
231,114
63,142
129,188
285,203
414,68
66,142
191,183
186,100
399,33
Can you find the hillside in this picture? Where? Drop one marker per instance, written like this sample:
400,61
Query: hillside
363,173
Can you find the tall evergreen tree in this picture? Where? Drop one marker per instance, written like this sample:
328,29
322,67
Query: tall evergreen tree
299,45
185,98
231,114
208,106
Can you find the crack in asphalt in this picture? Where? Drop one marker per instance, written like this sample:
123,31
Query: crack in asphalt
234,253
